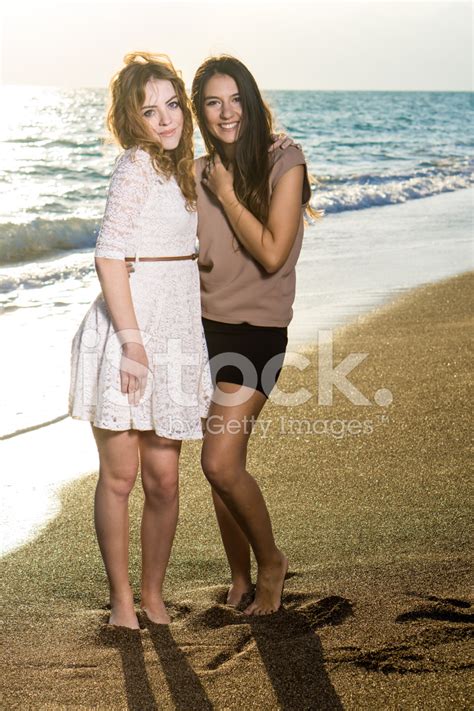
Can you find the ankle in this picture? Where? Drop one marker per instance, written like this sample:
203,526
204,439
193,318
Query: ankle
274,560
121,596
241,581
152,595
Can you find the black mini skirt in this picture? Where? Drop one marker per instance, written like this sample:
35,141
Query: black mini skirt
244,354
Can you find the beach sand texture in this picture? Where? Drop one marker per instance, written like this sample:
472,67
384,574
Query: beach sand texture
376,609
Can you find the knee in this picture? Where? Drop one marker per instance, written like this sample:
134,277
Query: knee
160,486
119,480
220,469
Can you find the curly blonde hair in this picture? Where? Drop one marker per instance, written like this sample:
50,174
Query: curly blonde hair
129,129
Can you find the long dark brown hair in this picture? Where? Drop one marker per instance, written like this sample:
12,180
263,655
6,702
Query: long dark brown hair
125,121
252,165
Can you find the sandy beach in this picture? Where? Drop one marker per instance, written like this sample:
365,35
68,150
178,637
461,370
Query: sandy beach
370,503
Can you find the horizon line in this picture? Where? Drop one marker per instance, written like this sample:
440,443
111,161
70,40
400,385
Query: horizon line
105,88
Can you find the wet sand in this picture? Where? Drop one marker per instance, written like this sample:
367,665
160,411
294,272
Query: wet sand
374,517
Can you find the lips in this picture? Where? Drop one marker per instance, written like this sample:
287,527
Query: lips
167,133
229,126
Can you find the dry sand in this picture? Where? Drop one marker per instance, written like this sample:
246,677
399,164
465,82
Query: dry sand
376,614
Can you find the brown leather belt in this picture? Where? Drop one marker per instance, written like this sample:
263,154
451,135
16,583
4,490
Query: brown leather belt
161,259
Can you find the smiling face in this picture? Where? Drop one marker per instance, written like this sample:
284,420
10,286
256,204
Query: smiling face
222,108
162,113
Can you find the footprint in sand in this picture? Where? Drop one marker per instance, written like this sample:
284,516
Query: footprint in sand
331,610
437,608
422,650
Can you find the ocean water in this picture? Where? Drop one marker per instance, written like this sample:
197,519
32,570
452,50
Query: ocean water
364,148
367,150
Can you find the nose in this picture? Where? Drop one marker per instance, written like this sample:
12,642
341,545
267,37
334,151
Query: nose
226,110
165,118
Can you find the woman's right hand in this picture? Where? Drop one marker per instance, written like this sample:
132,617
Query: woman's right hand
130,268
133,371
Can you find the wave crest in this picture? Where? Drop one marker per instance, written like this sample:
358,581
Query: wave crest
38,238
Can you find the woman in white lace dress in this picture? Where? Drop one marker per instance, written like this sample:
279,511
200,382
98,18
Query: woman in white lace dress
139,361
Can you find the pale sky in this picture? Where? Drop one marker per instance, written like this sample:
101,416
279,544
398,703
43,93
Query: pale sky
338,45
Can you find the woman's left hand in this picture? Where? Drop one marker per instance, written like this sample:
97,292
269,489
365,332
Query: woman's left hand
281,140
217,178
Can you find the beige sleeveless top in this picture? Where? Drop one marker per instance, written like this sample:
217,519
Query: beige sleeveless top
235,288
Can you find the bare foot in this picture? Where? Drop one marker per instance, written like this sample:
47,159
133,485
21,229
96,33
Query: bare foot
269,588
123,615
236,592
155,610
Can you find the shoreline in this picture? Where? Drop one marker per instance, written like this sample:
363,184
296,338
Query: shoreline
377,611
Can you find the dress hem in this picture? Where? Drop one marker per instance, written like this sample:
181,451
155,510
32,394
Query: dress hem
158,431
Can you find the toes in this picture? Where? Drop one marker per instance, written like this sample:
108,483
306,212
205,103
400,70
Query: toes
257,609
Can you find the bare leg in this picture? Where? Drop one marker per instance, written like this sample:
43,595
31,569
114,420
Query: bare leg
236,546
159,470
237,549
118,454
223,462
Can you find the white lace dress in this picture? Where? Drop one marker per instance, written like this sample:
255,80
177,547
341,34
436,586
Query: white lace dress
146,216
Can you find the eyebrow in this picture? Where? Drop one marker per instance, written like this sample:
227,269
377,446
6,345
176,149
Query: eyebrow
237,93
153,106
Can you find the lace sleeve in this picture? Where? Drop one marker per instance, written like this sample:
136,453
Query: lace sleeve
128,191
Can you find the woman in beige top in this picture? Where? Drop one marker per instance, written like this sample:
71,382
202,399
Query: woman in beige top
250,226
